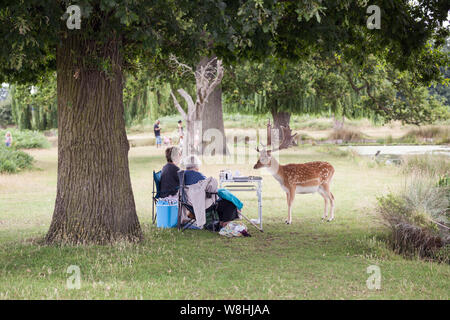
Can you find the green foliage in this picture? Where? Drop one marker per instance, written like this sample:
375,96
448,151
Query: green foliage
37,111
444,180
5,114
394,94
27,139
442,90
5,107
321,85
236,32
145,98
232,30
13,161
269,86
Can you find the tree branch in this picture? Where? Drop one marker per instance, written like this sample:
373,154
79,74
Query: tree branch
189,101
177,105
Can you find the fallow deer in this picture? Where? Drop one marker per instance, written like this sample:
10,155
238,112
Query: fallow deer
303,178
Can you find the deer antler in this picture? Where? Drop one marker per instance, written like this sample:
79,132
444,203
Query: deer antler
262,144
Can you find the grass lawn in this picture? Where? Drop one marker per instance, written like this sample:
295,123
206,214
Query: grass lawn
309,259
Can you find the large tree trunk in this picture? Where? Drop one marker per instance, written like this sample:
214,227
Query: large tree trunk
212,117
280,118
94,200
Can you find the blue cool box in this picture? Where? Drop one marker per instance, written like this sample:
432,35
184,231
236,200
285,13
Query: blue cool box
166,214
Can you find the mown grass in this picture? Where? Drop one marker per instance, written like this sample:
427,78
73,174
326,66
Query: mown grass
306,260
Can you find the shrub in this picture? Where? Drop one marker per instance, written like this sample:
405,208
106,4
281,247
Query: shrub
12,160
430,165
301,138
26,139
5,114
417,217
347,135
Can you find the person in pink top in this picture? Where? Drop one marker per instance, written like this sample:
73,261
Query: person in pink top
8,139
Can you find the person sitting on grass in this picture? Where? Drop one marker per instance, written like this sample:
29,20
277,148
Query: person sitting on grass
169,178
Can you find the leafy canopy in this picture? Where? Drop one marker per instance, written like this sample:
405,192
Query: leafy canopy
31,30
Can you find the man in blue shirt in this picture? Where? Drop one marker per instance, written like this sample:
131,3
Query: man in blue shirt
157,131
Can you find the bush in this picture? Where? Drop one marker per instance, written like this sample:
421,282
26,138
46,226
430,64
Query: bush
12,160
417,217
5,114
26,139
346,135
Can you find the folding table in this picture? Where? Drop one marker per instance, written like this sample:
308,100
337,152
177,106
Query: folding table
251,183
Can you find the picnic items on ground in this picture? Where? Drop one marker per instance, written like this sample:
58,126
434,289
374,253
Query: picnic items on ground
234,229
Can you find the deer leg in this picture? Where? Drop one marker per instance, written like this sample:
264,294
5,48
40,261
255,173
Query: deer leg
290,198
325,198
326,189
332,206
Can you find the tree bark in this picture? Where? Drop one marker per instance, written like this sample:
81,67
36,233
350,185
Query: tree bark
280,118
94,200
212,117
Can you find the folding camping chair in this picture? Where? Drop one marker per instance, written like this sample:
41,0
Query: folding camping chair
155,192
212,216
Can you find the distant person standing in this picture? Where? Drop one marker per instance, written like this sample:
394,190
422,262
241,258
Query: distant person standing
8,139
180,133
157,131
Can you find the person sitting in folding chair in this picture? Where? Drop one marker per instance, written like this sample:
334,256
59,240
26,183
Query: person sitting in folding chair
201,193
169,177
165,181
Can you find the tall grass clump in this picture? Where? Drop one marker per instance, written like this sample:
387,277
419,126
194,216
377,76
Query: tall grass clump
346,135
418,216
429,134
427,164
13,161
27,139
